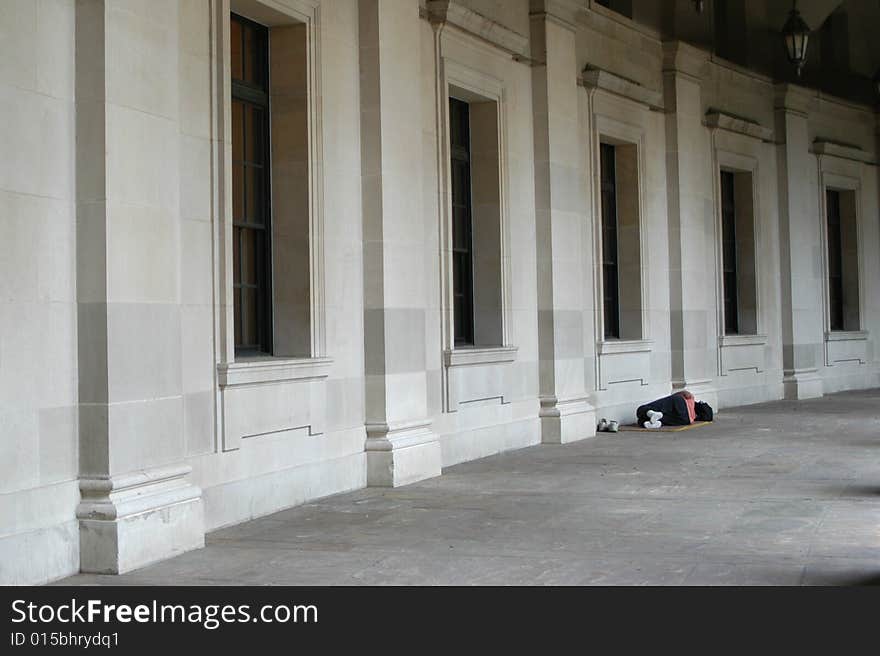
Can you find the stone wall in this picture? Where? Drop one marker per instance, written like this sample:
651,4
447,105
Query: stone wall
128,425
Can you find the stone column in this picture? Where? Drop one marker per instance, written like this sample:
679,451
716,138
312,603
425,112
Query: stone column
563,252
799,244
401,447
692,216
137,505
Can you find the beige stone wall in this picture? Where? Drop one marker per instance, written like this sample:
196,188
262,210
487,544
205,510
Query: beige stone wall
38,361
117,365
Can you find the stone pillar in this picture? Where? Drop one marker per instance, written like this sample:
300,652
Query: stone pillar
137,505
692,216
799,244
560,198
401,447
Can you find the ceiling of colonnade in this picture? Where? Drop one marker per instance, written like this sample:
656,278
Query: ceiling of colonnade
844,48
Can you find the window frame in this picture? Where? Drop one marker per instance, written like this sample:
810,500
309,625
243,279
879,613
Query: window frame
316,366
735,154
610,130
471,85
255,96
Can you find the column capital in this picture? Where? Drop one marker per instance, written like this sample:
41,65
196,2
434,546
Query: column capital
792,97
561,12
681,57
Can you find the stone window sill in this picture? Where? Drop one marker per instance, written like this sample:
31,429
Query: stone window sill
259,370
625,346
846,336
742,340
466,357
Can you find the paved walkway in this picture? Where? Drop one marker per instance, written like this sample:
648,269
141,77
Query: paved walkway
778,493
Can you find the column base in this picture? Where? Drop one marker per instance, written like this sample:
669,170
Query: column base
401,454
566,420
802,384
132,520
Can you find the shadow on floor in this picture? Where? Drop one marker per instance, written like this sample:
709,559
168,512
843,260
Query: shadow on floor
857,581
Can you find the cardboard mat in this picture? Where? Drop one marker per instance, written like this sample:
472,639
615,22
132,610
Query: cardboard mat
663,429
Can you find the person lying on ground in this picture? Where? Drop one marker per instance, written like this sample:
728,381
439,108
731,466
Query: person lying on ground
674,410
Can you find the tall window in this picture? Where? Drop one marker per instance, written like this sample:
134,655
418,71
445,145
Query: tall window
835,261
738,262
462,226
622,311
476,221
728,253
249,54
610,289
843,260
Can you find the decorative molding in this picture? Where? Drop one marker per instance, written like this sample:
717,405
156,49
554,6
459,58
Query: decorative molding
716,118
597,78
844,151
468,357
609,347
271,370
110,498
551,406
846,336
727,341
396,435
445,11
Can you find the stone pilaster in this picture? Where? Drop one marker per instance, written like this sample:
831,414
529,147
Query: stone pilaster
563,250
691,211
137,504
799,244
401,447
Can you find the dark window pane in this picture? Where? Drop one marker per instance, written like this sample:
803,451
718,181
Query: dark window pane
236,294
835,260
255,196
729,278
248,48
248,257
462,229
236,255
235,50
249,317
254,147
610,285
238,129
237,192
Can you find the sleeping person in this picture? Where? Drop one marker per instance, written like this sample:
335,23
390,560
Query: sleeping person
679,409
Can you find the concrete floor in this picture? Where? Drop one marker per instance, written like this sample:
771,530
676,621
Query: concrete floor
781,493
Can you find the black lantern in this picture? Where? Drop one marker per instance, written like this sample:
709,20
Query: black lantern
699,5
796,34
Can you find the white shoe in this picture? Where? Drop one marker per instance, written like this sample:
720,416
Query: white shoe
652,425
654,416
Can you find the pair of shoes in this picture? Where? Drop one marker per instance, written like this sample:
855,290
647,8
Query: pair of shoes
652,425
609,426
